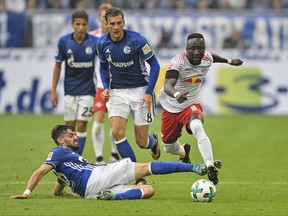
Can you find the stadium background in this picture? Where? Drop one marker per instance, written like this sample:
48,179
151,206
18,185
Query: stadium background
28,39
253,148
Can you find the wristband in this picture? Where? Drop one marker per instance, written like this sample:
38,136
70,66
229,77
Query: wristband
229,61
176,93
27,192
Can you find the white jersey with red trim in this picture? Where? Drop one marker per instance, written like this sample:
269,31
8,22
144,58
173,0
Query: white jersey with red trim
97,78
190,78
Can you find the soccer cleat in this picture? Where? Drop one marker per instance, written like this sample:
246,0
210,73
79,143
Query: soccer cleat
105,195
141,181
217,164
155,150
100,159
114,156
186,158
200,169
212,172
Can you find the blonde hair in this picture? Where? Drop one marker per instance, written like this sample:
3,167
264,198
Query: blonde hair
104,6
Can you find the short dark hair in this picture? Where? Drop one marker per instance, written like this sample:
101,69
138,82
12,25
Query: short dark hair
80,14
195,35
113,12
59,130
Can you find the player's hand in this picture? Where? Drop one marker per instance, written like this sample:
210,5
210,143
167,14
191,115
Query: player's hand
54,99
147,100
19,196
105,95
236,62
182,97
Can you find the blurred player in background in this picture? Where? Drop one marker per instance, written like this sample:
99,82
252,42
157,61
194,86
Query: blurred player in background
109,181
123,54
78,51
181,101
99,105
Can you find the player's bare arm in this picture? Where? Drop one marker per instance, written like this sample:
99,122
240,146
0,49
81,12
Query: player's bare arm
219,59
170,81
33,181
147,100
59,190
56,76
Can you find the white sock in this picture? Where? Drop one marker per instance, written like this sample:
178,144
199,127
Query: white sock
173,148
113,145
204,144
98,138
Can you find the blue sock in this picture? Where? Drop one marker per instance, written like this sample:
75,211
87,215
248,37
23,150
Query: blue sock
151,141
125,150
130,194
169,167
81,142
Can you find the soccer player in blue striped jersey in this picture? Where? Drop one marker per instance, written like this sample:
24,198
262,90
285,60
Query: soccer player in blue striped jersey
78,51
98,181
128,87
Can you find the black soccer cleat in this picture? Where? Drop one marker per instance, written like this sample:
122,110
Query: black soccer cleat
141,181
155,150
100,159
218,164
114,156
212,173
186,158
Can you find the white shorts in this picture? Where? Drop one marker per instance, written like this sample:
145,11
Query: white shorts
115,176
122,102
78,107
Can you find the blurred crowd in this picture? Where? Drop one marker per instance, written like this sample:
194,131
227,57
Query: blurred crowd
21,5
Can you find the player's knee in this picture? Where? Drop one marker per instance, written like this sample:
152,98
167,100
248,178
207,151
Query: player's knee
148,191
118,134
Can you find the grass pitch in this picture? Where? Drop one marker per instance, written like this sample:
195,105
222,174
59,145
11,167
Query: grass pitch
253,179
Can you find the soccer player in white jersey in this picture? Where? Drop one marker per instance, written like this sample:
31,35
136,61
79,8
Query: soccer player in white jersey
181,104
78,51
122,55
109,181
99,108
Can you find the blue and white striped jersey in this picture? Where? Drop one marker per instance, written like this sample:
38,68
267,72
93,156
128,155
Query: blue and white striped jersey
79,64
126,59
70,168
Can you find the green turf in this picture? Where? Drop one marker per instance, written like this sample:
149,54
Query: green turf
253,179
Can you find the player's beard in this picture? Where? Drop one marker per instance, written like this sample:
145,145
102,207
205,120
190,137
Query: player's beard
75,147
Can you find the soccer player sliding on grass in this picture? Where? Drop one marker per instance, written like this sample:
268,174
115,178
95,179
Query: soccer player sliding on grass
109,181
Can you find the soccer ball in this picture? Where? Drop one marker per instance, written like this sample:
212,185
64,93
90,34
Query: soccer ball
203,190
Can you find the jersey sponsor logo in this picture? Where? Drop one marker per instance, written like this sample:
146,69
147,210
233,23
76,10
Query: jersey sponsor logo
49,156
146,49
127,50
73,64
122,64
193,80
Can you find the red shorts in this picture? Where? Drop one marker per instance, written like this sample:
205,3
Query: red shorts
172,123
99,103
